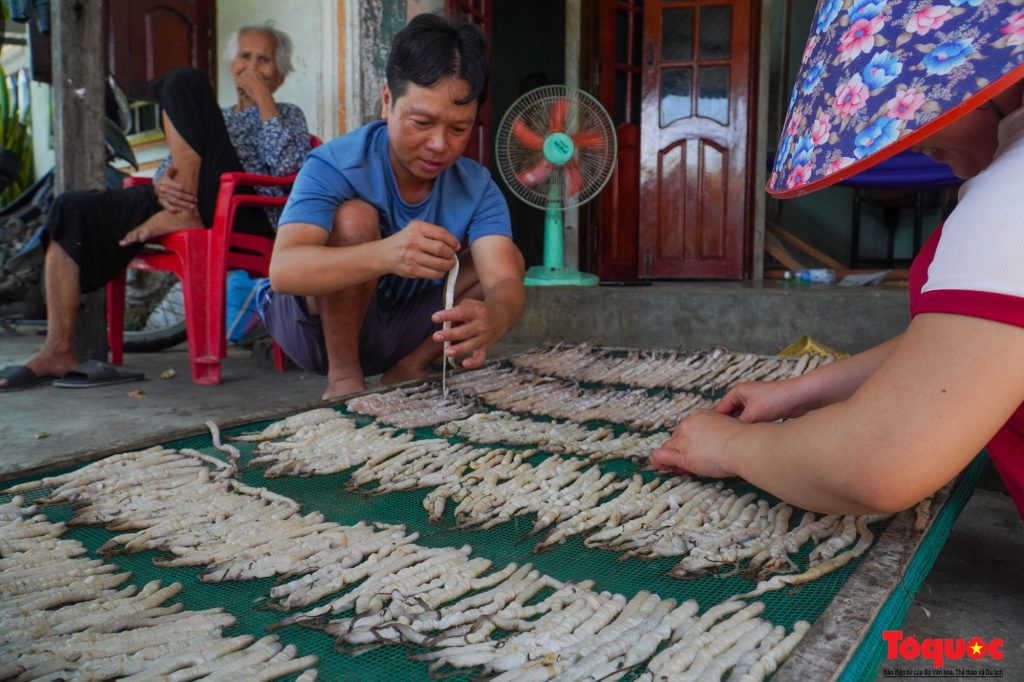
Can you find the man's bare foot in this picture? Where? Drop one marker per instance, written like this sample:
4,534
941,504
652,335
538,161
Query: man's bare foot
403,372
342,387
161,223
49,363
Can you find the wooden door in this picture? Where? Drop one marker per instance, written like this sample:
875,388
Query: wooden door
151,37
477,12
696,152
619,28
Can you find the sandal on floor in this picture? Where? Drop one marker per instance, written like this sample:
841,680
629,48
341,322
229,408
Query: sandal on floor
92,373
20,376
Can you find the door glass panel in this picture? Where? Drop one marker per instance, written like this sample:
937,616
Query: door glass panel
638,38
621,36
634,98
715,32
676,96
713,93
677,34
621,82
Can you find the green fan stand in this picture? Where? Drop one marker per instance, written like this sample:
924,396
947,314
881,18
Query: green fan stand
558,149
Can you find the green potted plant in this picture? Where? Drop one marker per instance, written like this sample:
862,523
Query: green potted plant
15,141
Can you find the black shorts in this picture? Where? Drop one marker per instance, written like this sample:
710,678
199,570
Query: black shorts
88,226
389,331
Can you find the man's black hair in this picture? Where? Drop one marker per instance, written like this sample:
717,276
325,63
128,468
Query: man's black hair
430,49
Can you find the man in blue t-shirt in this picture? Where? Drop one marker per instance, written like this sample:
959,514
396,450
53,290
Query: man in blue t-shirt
376,219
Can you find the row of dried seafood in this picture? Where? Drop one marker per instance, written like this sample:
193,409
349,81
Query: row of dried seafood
413,407
523,392
563,437
701,370
329,443
440,599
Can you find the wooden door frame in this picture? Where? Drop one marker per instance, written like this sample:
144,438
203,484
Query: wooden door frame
613,245
758,40
481,16
755,248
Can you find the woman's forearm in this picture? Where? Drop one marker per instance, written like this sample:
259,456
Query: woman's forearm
837,381
802,462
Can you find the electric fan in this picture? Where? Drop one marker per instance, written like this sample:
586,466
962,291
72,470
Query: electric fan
555,149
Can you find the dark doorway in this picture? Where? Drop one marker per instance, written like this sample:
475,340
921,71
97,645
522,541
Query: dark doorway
527,51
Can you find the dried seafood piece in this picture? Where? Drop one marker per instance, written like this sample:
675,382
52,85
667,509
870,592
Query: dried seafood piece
342,447
560,360
449,303
411,407
290,425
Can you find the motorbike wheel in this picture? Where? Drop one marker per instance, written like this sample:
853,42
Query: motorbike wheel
154,312
149,341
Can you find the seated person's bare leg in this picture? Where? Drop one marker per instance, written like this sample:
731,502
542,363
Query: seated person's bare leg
415,364
342,313
58,355
186,163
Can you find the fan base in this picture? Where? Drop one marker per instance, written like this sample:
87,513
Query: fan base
540,276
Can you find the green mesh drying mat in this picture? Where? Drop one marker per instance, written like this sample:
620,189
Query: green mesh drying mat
501,544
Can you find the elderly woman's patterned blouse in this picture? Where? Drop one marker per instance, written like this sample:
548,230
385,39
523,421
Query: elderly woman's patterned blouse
272,147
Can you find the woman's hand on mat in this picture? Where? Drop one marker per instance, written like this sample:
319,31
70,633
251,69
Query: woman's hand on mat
698,445
420,250
475,328
172,194
755,401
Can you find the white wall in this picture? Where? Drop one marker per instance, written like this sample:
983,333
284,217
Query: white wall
313,27
15,57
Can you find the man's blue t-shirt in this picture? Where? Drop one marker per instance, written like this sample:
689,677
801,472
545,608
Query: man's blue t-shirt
464,199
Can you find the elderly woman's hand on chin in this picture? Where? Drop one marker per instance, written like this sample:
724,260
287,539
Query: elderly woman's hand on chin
699,445
253,90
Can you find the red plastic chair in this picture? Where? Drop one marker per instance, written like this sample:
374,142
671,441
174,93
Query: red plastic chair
201,259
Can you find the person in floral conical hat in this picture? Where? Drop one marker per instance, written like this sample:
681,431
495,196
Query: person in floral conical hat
879,431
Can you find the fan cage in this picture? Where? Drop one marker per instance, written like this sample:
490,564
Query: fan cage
596,162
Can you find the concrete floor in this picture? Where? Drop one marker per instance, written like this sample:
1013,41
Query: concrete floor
974,588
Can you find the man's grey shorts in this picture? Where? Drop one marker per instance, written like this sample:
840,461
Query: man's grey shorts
389,332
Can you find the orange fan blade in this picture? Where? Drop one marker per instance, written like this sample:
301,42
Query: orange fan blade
588,139
535,175
573,178
557,115
527,137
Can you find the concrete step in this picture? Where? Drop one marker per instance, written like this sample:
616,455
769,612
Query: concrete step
747,316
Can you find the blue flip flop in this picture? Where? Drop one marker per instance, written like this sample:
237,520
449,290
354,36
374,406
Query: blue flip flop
20,377
93,373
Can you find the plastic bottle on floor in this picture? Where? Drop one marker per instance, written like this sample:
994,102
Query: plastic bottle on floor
815,275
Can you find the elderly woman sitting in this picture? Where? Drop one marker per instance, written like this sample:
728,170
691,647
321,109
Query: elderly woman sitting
95,234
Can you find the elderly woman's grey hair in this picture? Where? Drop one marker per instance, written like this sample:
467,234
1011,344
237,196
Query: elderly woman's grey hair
282,51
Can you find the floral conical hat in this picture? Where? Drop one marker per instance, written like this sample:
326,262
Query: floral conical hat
878,77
